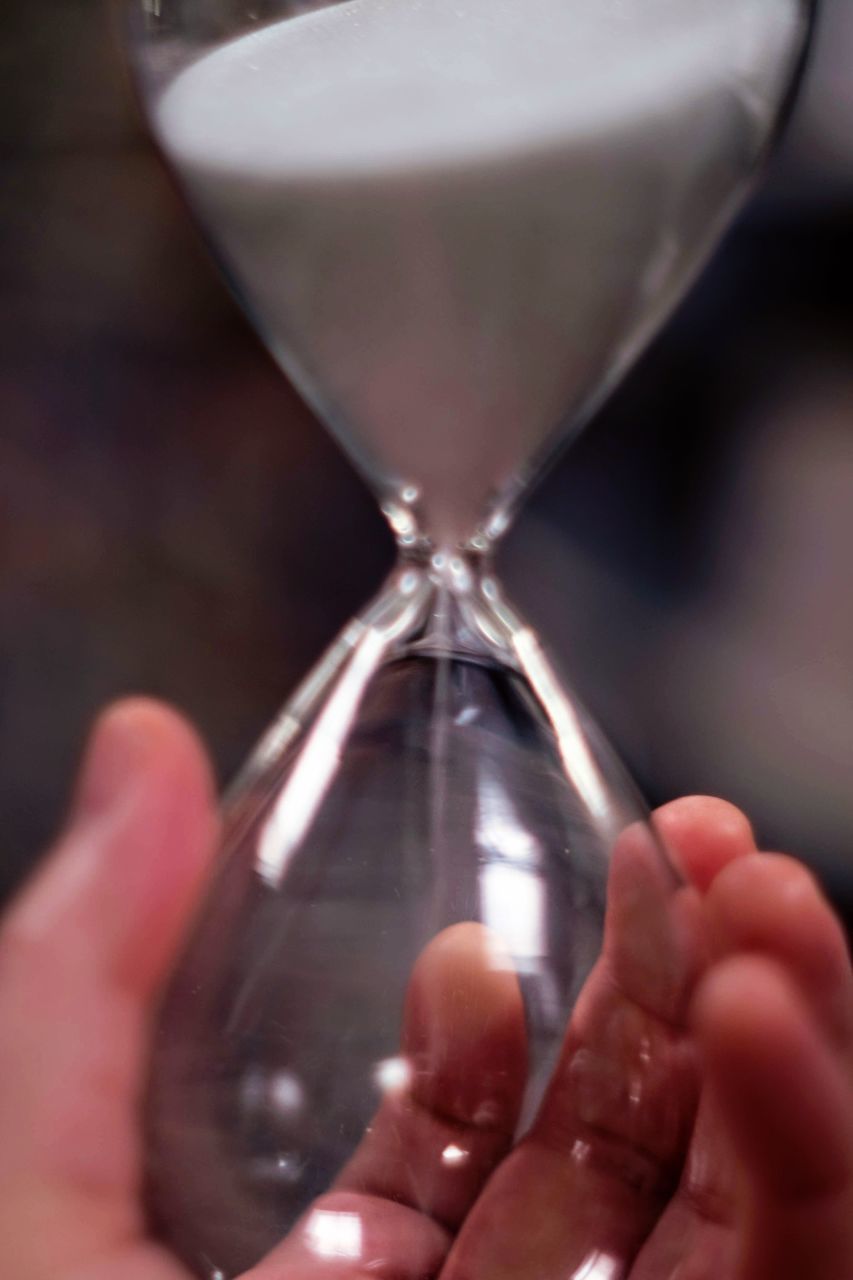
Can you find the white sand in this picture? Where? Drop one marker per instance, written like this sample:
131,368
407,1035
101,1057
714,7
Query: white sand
454,220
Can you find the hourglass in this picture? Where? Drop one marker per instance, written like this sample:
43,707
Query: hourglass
455,224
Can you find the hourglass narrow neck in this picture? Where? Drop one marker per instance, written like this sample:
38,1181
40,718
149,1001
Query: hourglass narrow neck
433,605
459,609
446,609
425,527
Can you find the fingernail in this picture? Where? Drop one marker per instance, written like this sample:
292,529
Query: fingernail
111,761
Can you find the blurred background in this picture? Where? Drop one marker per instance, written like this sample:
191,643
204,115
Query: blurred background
173,521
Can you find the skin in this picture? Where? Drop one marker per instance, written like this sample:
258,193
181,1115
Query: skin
699,1125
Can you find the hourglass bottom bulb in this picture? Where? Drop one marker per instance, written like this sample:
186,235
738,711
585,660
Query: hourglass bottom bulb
378,1015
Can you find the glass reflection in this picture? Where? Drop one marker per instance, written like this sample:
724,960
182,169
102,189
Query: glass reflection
334,1235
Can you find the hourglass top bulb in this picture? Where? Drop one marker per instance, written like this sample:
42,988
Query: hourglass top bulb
456,223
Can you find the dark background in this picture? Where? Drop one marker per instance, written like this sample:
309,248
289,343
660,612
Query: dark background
173,521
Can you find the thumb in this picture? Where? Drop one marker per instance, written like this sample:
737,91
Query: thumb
785,1094
82,952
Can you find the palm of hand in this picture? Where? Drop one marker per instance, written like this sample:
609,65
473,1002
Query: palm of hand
632,1166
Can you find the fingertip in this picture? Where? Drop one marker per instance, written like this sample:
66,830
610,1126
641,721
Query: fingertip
126,871
654,942
762,889
130,738
704,834
464,1027
772,904
170,822
464,954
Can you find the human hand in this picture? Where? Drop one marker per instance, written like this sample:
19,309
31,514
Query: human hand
700,1123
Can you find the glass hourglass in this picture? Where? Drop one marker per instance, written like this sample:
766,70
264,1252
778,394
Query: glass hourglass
455,223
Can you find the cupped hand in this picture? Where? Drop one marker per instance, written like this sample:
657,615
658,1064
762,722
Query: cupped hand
699,1124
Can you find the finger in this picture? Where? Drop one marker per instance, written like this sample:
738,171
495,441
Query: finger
433,1144
81,951
656,937
768,904
116,891
439,1132
771,904
603,1153
704,835
784,1095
